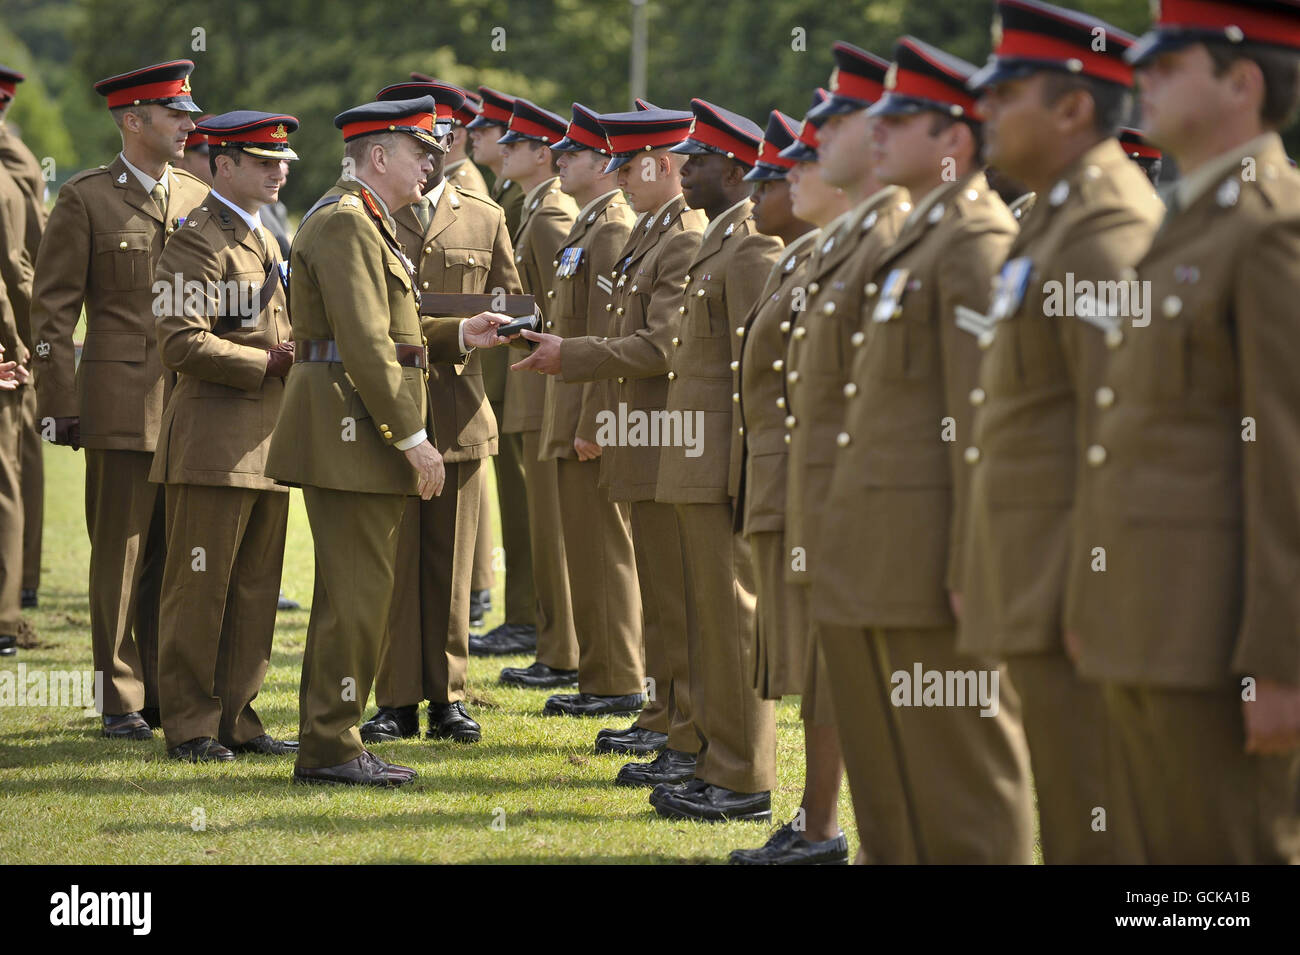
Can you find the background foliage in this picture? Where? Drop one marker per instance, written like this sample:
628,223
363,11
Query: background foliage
315,58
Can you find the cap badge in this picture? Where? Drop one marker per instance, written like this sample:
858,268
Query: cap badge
279,132
997,30
692,129
1060,192
834,82
185,87
891,77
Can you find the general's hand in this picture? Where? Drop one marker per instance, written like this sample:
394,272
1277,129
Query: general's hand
587,450
68,431
279,360
426,460
1272,719
481,330
545,356
8,376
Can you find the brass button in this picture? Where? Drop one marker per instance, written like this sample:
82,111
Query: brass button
787,438
619,310
972,455
555,263
829,308
609,306
1172,306
740,430
843,439
790,422
977,396
632,289
780,402
700,294
424,285
550,293
985,341
550,324
735,396
622,380
676,341
428,248
681,309
813,288
740,331
471,260
687,280
792,376
800,332
778,365
850,389
1096,455
121,245
735,366
1105,397
383,427
1114,338
871,288
672,376
278,310
785,326
858,338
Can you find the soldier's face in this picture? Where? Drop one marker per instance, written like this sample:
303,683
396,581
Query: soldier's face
580,172
812,198
702,180
254,181
1181,98
844,148
519,160
906,151
1015,119
409,168
486,148
772,212
165,132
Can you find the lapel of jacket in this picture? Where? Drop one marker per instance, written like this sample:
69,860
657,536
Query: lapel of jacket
719,234
919,226
445,212
132,192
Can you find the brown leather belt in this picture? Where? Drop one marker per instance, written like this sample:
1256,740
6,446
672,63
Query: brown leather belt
325,349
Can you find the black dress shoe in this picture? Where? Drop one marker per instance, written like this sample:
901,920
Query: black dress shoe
29,599
670,766
366,770
538,675
126,726
265,745
588,704
8,646
204,749
392,723
506,639
787,847
480,602
710,803
151,715
634,741
450,721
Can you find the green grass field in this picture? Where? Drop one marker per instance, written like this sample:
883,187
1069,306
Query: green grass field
531,791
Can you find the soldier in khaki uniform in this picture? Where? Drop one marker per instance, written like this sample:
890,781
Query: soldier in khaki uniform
1189,493
597,536
547,217
355,438
1052,128
99,250
836,138
458,169
27,173
226,520
460,245
935,777
15,296
648,283
518,633
759,460
736,767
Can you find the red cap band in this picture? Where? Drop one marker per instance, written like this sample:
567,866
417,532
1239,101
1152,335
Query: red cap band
168,89
634,142
421,120
920,86
1017,44
1261,25
712,136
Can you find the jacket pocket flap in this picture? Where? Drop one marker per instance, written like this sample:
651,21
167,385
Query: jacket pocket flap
122,242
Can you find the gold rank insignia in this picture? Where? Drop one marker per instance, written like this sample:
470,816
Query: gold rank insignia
185,87
279,132
891,77
834,83
692,129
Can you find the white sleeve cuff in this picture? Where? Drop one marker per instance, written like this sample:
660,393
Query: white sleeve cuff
460,337
407,443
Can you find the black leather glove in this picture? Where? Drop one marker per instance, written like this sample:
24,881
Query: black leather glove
279,360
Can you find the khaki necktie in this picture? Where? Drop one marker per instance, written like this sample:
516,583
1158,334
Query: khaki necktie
159,195
423,213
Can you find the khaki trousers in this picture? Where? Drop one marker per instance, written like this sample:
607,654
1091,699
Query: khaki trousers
667,617
931,784
512,501
33,465
1200,799
426,654
602,583
557,642
11,511
217,616
355,541
737,728
126,518
1077,769
483,576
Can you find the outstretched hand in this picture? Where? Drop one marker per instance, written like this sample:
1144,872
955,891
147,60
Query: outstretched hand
545,357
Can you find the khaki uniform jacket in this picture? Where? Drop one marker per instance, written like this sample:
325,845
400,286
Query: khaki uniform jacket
464,175
496,362
15,271
583,288
338,421
547,217
101,244
465,249
1191,481
648,285
217,425
1036,397
820,356
723,283
759,443
26,170
897,493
